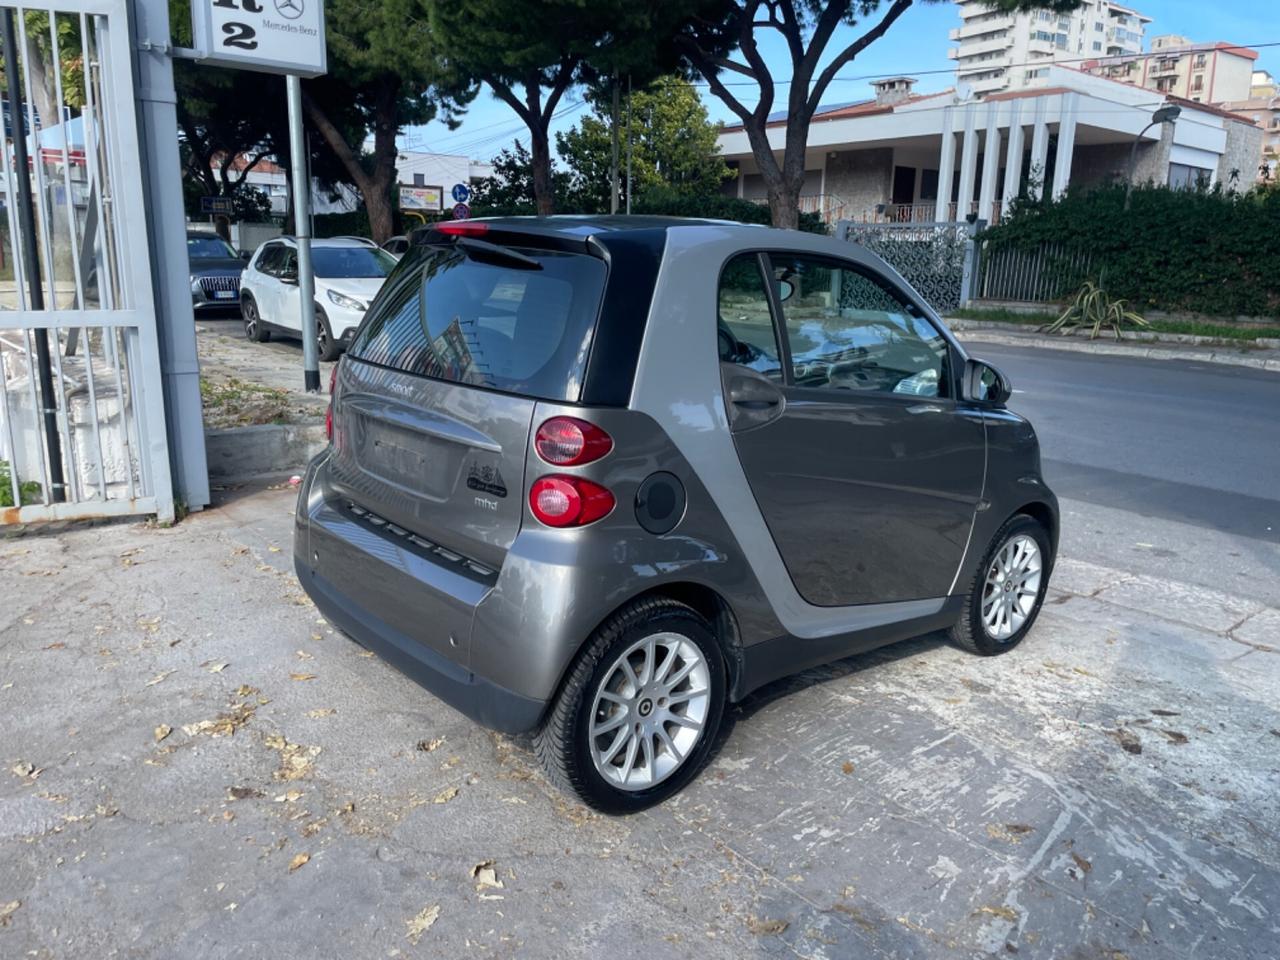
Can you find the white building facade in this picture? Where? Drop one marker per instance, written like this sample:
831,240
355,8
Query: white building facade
949,157
1009,51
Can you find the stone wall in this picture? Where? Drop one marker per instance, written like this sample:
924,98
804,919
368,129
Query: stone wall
861,178
1242,153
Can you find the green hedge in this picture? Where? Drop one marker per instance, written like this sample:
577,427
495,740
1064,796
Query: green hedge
715,206
1203,251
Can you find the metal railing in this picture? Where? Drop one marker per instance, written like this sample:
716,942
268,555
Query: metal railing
82,428
1047,274
937,259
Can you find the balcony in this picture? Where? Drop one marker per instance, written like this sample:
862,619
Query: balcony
980,47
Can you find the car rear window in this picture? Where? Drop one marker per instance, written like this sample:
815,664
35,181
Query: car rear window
488,324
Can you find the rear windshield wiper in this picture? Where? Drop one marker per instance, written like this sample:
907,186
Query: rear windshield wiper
493,253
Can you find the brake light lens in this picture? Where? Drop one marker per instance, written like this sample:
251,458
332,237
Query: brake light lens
561,501
328,414
462,228
570,442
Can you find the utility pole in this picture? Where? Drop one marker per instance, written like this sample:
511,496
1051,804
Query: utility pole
31,261
613,162
298,168
628,144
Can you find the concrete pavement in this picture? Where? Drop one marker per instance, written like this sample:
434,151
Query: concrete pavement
195,765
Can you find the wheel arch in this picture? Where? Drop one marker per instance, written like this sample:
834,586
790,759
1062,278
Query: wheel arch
703,600
1045,515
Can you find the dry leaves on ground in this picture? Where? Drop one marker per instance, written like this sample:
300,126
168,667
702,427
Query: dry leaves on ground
321,712
298,861
289,796
302,676
1004,913
224,725
295,758
485,875
764,928
215,667
27,770
422,923
162,731
426,746
7,910
445,795
158,677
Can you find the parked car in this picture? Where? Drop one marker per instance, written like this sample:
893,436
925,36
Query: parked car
598,478
215,272
397,246
348,274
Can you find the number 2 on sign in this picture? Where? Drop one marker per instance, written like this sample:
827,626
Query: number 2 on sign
239,35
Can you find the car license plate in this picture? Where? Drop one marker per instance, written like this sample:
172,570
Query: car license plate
224,294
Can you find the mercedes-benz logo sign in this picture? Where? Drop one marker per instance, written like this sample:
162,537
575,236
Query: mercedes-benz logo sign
290,9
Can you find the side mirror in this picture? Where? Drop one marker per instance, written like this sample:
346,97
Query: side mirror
289,278
246,255
983,383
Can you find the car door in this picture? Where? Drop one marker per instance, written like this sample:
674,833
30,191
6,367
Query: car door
288,308
260,280
841,398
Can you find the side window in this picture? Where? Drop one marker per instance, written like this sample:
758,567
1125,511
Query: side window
287,265
849,331
744,327
269,259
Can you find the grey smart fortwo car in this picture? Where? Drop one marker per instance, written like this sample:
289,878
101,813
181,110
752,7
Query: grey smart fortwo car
597,478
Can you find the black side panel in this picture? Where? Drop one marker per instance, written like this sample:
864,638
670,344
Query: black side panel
634,257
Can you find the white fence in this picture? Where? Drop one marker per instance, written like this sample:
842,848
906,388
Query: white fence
82,422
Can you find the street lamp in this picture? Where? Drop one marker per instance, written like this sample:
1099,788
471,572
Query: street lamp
1166,114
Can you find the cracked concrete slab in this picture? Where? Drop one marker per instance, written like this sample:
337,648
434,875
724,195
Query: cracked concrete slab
216,772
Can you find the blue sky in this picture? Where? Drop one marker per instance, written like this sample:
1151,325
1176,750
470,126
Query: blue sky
916,45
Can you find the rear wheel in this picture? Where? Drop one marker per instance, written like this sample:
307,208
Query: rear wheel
639,712
253,327
1007,590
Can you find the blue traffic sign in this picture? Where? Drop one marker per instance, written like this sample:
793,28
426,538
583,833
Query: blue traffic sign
461,211
461,193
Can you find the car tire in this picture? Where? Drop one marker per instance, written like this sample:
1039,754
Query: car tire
329,348
254,329
1007,590
649,766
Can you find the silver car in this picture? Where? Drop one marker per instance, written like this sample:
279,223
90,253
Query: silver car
599,478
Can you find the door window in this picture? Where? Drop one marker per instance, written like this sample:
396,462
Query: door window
744,327
287,266
269,261
849,331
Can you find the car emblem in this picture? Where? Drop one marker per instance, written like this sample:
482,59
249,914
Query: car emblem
487,479
290,9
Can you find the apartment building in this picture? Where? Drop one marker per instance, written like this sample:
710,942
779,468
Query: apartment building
1010,51
1263,108
1203,72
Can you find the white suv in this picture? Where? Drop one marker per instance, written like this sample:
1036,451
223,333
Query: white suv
348,274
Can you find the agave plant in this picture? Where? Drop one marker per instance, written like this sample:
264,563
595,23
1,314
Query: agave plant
1093,309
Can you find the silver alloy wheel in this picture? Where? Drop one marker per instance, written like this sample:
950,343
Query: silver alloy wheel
1012,587
250,313
649,711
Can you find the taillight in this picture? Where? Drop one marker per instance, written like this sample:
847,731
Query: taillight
328,414
570,442
560,501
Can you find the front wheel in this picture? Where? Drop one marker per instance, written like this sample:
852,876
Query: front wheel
254,329
328,348
638,714
1008,588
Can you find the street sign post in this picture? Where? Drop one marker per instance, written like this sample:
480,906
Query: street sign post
275,36
271,36
461,193
461,211
212,205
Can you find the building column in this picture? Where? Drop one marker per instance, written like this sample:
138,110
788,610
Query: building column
1039,148
990,163
968,163
1066,144
742,177
946,167
1012,158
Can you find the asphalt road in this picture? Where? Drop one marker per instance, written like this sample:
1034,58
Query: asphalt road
1167,467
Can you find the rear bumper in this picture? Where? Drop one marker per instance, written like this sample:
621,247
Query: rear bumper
395,599
482,701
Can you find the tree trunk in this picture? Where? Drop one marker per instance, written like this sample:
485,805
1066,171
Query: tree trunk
784,203
544,192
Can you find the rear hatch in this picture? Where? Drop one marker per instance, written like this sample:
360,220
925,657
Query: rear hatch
434,403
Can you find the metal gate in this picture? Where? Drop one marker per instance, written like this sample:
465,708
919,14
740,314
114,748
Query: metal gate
937,259
82,428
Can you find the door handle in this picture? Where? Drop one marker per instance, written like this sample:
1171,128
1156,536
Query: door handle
752,394
924,408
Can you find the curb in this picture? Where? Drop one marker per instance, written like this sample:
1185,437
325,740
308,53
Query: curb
238,453
1263,359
